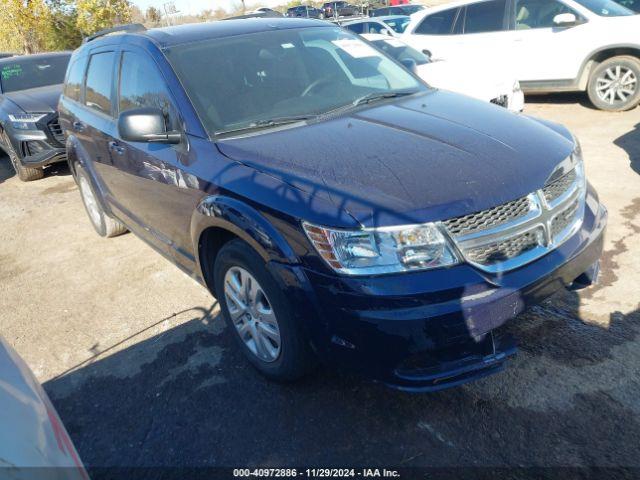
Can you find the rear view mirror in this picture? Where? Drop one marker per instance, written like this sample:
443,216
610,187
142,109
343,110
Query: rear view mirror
410,64
565,20
145,125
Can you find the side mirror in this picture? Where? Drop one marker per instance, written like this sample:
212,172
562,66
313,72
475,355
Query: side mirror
427,53
145,125
410,64
386,31
565,20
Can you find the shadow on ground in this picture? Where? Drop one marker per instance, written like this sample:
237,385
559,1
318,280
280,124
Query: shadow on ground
630,143
6,170
187,397
561,98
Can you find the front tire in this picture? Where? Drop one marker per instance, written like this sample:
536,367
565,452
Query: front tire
26,174
104,225
259,315
614,85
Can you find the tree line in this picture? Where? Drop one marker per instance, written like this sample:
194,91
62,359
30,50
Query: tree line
31,26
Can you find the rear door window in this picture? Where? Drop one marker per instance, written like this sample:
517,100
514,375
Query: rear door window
99,82
485,17
439,23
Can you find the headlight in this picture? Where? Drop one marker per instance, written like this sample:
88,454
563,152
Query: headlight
577,160
382,250
25,121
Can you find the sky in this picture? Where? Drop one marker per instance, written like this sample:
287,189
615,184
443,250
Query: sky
195,6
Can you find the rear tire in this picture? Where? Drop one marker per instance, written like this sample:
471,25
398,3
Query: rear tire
26,174
289,356
614,85
104,225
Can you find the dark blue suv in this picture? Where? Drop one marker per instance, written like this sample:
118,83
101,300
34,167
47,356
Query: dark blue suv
337,207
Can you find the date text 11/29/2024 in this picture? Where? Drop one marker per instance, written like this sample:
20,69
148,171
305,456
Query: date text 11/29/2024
315,472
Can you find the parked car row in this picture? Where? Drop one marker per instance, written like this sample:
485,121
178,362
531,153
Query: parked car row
551,45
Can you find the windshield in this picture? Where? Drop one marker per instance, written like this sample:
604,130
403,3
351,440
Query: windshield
400,51
245,80
398,24
606,8
24,73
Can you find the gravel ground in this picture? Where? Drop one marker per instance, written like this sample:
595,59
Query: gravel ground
137,362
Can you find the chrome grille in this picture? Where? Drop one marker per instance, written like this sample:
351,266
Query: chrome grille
506,249
502,101
517,232
56,131
555,189
491,217
564,218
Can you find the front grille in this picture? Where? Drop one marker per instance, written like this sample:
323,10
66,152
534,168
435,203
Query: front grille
514,233
492,217
502,101
505,249
56,131
555,189
564,219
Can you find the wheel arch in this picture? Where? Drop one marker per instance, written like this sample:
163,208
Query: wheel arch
219,219
603,53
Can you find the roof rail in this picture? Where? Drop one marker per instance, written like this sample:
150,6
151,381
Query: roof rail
128,28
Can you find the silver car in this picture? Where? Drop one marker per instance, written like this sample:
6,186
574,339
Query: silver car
32,434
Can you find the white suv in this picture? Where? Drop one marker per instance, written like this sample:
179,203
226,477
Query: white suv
550,45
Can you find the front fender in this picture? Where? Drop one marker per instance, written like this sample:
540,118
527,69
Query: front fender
244,221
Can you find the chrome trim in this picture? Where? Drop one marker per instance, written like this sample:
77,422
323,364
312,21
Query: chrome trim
541,216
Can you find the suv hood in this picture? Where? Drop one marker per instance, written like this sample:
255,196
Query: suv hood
422,159
37,100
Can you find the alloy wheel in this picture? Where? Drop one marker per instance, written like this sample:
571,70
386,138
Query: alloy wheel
617,84
89,200
252,314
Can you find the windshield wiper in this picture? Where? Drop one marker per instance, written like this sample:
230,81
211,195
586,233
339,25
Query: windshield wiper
268,123
370,98
376,96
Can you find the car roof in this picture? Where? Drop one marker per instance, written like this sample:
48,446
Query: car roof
17,58
363,20
194,32
391,17
374,37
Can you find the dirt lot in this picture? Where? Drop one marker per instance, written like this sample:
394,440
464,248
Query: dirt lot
137,361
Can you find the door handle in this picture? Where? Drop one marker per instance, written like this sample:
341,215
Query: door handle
116,148
78,126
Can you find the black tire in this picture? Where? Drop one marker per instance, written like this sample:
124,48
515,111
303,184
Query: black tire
611,101
104,225
295,358
26,174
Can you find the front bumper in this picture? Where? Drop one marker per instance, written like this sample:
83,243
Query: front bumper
430,330
41,146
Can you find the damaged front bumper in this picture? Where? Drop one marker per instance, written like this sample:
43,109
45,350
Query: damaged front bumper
431,330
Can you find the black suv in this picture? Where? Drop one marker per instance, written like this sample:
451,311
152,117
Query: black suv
30,87
338,208
339,9
305,11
